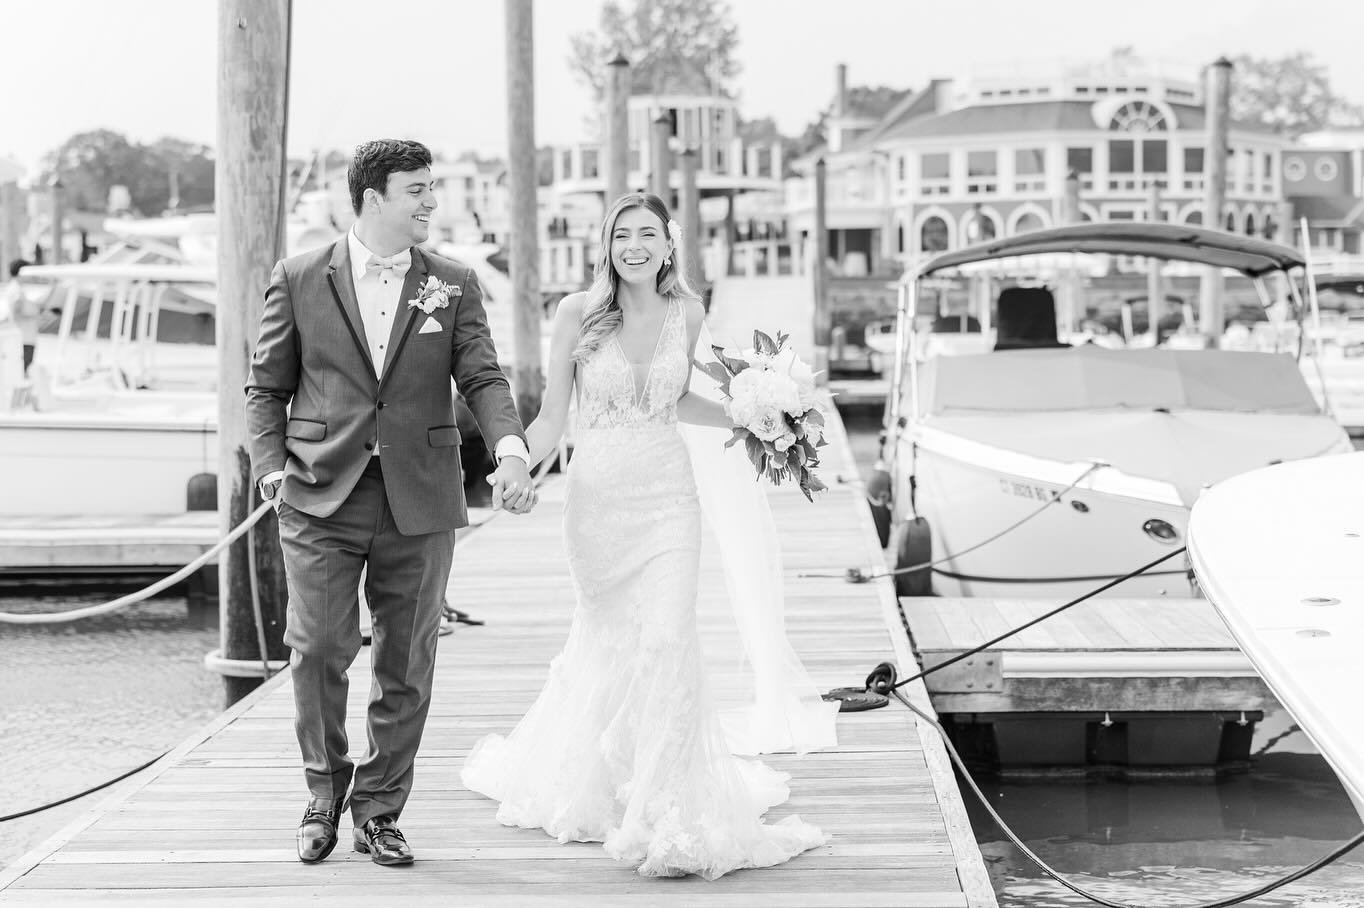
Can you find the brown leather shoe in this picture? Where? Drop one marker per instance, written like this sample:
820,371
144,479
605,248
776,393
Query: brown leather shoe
380,839
317,831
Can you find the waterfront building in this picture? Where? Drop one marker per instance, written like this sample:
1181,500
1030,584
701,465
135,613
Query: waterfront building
961,161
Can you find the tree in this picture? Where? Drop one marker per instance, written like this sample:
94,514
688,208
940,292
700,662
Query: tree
674,46
861,101
1292,94
92,162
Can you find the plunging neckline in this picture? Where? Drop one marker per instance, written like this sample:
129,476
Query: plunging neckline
636,393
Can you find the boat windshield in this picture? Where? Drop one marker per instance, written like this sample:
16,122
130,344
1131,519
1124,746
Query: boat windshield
1093,378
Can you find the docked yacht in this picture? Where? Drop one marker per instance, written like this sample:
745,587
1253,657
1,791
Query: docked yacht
1024,466
1279,552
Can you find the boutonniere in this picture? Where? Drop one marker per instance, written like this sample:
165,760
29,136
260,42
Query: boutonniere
435,294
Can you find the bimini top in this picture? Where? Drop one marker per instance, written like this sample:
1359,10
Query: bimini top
1177,242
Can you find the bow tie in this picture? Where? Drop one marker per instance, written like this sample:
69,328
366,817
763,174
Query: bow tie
398,264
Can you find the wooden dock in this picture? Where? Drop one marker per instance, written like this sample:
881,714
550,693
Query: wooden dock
213,822
107,544
1163,679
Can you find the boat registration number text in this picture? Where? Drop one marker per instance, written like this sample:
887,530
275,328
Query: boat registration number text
1024,490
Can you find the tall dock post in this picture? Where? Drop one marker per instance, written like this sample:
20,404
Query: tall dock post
253,84
617,129
1217,101
527,373
58,190
1155,292
689,206
819,269
661,159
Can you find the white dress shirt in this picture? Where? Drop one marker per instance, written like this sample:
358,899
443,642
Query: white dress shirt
379,292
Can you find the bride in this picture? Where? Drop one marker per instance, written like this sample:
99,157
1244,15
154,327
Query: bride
624,744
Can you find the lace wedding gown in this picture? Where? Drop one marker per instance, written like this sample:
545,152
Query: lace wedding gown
623,745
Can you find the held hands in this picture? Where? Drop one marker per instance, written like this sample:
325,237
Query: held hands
512,486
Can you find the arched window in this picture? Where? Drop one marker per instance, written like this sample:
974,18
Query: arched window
933,235
980,227
1231,221
1250,223
1195,217
1138,116
1027,222
900,236
1270,230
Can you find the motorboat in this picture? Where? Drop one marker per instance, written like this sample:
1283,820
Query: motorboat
1278,552
121,408
1023,463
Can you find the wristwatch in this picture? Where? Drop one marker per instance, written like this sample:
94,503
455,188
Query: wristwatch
268,490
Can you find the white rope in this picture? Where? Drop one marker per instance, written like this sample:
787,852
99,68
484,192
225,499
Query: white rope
140,595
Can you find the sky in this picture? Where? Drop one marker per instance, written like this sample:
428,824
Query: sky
435,70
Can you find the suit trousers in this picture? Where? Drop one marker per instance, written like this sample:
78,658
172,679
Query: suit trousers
405,585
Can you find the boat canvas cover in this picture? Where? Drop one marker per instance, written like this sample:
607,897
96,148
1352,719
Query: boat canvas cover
1090,377
1187,417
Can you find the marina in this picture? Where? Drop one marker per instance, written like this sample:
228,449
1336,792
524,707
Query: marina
1065,316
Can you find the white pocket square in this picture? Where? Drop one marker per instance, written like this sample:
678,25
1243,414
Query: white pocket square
430,326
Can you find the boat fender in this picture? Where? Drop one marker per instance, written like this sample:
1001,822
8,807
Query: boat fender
913,544
878,500
201,492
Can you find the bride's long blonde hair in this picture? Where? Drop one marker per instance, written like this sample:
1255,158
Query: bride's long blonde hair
602,315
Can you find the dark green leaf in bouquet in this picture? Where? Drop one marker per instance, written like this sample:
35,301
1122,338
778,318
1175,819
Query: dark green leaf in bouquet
782,338
764,344
739,433
814,417
718,372
756,453
798,453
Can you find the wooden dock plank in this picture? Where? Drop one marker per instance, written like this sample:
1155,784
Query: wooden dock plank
214,821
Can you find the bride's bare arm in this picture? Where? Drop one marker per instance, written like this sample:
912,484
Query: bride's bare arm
543,434
692,407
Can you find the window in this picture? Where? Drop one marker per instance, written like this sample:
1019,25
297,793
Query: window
1028,222
1030,168
1193,170
935,173
900,168
1153,158
1080,160
1122,156
590,166
933,235
982,168
936,166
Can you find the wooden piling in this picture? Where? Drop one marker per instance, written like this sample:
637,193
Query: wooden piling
58,215
819,269
689,209
1155,291
9,227
1216,101
527,373
661,159
617,123
253,83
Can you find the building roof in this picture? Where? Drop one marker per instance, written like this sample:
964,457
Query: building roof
1033,116
1328,210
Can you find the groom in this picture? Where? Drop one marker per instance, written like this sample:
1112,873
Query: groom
353,434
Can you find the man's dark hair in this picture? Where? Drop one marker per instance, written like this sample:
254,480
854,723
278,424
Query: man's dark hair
374,161
15,265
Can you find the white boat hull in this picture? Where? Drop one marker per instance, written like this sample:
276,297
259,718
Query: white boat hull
104,462
1280,554
1068,548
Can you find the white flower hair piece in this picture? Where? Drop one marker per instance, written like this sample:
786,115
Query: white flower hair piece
674,231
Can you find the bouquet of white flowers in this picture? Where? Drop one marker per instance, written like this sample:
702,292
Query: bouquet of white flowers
770,398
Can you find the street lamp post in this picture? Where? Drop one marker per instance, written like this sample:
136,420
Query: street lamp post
57,187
